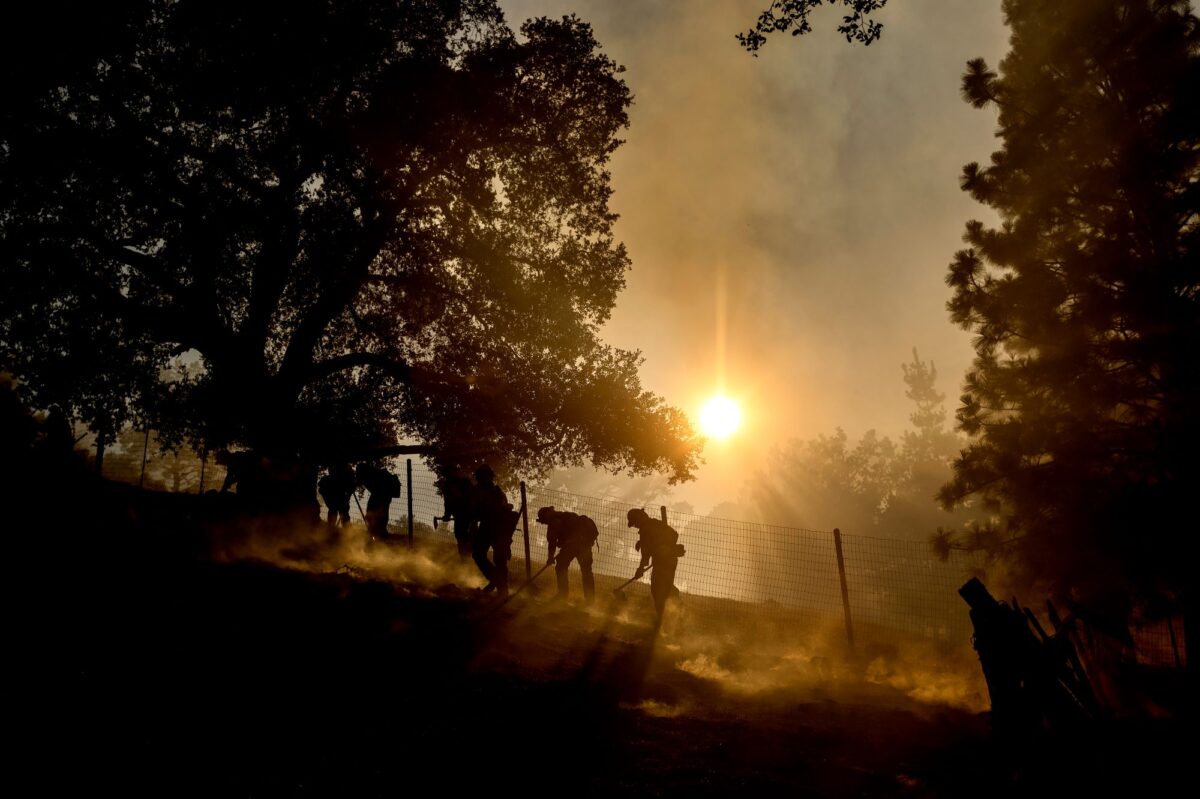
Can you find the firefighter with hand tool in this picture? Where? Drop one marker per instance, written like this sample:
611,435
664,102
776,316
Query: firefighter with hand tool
659,544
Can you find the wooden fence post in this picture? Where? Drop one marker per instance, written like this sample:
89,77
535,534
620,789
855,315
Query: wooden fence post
837,545
525,529
408,473
100,442
145,449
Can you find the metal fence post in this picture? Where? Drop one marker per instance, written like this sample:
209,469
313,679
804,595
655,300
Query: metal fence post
408,471
837,545
525,529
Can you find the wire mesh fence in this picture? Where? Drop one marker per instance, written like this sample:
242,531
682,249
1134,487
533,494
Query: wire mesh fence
891,587
137,459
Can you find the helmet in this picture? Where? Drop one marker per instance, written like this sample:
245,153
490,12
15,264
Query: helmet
636,517
545,514
484,472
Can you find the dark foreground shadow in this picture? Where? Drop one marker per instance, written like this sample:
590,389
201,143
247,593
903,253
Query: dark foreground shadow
145,667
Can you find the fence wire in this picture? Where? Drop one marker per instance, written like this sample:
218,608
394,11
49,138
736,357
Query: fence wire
892,586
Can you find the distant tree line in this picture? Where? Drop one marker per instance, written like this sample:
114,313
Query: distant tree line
875,486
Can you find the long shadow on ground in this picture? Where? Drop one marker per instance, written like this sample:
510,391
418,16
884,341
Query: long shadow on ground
150,668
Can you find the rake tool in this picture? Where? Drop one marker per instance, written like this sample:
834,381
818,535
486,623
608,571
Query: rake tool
536,574
619,591
524,585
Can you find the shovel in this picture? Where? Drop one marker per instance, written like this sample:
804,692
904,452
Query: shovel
619,591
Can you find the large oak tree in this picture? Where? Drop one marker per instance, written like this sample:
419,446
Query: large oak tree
320,227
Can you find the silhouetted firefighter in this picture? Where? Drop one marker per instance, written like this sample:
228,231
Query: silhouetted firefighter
496,522
336,488
573,535
659,544
246,471
456,496
383,487
1033,679
275,485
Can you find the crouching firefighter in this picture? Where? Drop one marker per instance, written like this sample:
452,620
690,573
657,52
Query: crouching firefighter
659,544
573,537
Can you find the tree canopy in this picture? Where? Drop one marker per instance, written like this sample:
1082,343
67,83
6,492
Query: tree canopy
1082,400
321,227
784,16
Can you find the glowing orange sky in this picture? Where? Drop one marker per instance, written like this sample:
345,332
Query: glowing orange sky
790,217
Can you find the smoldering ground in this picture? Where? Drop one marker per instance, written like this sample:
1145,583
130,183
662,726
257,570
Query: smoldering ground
319,549
705,649
176,655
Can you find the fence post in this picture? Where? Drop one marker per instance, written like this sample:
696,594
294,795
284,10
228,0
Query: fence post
662,511
100,442
408,472
837,545
525,529
145,449
203,463
1174,643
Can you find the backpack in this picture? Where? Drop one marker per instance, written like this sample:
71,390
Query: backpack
581,529
591,533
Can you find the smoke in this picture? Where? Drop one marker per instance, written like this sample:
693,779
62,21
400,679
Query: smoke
705,649
789,217
659,710
427,570
763,658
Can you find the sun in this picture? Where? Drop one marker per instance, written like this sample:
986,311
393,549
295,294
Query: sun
720,417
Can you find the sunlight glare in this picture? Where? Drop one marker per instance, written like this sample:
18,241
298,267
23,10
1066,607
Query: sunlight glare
720,417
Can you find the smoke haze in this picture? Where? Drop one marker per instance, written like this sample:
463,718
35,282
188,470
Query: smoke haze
790,217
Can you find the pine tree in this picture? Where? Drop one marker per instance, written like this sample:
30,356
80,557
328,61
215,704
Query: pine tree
1084,395
924,458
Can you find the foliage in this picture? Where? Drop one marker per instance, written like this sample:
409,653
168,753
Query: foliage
313,227
792,15
873,485
1082,400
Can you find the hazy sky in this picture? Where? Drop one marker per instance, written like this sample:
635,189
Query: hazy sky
812,193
